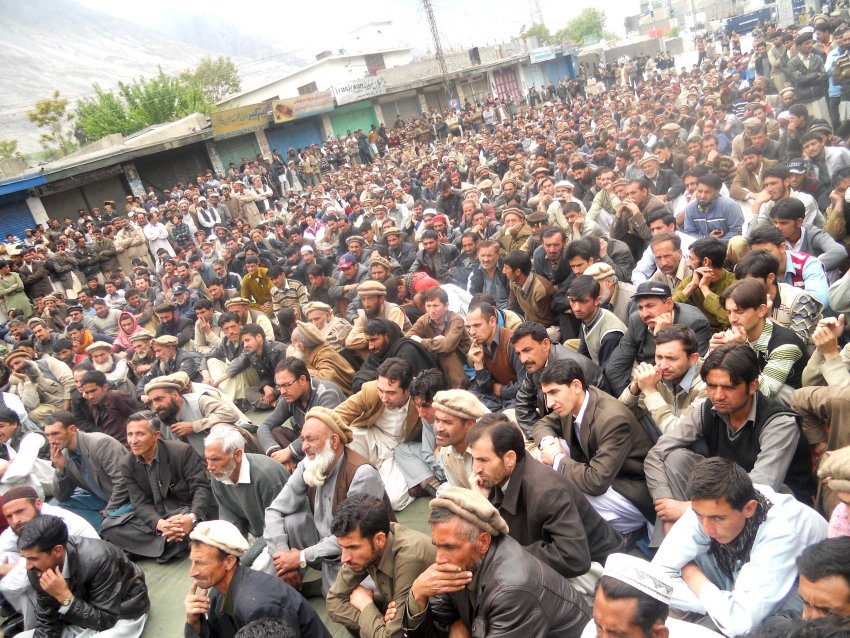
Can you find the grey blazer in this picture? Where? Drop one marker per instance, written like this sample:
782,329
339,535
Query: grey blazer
104,456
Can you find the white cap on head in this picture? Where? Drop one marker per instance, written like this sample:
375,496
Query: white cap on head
641,575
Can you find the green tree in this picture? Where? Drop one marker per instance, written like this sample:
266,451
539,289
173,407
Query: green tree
216,78
103,114
590,22
8,149
540,31
52,115
162,98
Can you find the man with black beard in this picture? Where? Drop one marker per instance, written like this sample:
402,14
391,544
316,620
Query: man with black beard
298,535
385,341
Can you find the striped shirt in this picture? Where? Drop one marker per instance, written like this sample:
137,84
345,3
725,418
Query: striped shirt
293,293
778,361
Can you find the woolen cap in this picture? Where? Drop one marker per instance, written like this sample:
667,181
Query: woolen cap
599,271
835,467
370,287
333,421
221,534
141,335
165,340
472,507
459,403
316,305
237,301
515,211
99,345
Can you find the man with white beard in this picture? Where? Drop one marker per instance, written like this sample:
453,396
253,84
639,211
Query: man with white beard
243,485
115,368
298,535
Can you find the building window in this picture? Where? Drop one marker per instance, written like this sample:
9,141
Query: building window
307,89
374,62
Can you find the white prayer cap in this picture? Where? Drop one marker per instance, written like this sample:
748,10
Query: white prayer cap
640,574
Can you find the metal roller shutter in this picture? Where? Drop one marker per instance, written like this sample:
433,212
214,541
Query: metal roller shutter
64,204
294,135
407,108
235,148
358,116
167,169
15,217
114,188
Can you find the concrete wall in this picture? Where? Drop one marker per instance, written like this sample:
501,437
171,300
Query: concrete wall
635,49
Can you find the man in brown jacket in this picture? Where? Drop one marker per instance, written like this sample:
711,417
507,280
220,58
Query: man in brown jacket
530,293
606,447
321,359
382,415
747,181
443,333
629,223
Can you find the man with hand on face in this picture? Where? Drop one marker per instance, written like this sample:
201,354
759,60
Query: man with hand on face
390,554
233,595
83,585
262,356
671,387
483,578
167,486
298,521
20,506
707,281
731,556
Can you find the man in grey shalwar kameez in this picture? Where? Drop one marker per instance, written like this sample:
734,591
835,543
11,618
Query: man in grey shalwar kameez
329,473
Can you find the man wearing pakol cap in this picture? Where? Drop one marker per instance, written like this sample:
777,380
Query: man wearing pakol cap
322,360
390,554
514,233
167,486
483,578
731,556
633,599
334,329
545,512
240,307
87,478
373,296
169,358
232,595
190,410
44,386
83,586
298,522
21,505
615,295
455,412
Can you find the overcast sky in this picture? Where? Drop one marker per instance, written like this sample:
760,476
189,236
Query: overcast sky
324,25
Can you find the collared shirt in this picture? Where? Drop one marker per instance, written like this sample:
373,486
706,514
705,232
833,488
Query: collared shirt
292,294
244,474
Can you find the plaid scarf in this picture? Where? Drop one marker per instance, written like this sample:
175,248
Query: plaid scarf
738,551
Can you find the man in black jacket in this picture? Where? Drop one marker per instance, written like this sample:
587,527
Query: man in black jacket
435,258
167,485
171,323
484,579
545,511
536,351
81,583
386,341
249,595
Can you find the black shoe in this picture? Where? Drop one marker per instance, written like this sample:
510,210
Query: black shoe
12,626
630,539
430,486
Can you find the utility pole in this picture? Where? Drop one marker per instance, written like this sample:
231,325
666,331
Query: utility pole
536,13
438,47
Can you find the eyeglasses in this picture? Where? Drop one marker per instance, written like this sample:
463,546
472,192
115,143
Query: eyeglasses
289,384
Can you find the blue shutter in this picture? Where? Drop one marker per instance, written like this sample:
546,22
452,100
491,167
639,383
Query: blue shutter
15,217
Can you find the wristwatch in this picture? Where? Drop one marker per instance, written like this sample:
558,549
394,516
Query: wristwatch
303,563
193,518
67,602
